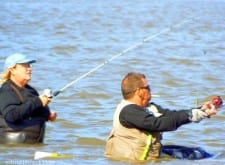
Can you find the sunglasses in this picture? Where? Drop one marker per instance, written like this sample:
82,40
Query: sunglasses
146,87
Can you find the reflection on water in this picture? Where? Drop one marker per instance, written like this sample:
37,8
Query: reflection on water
184,65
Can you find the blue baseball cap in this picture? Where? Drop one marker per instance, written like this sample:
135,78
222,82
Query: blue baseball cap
17,58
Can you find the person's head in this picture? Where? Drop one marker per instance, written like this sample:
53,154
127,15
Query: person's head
17,68
135,87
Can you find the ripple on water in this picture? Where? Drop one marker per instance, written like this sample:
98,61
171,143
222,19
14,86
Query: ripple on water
92,141
183,65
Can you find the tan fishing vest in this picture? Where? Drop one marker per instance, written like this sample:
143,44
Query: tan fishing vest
130,143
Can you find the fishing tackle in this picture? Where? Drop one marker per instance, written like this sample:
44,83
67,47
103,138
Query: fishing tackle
122,53
217,101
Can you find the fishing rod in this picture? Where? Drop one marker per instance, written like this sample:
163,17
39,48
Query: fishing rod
122,53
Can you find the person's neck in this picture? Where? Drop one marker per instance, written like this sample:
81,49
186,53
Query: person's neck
134,100
18,83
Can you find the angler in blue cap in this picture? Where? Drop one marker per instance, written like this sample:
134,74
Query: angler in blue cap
23,112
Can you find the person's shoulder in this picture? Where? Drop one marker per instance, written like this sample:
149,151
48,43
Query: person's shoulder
132,107
4,92
4,87
31,89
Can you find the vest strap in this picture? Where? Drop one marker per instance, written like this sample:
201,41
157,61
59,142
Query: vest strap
146,148
17,92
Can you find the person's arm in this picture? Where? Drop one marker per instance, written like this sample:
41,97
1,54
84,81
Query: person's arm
13,110
164,111
133,116
42,112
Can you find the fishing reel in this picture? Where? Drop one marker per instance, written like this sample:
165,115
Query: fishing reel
48,92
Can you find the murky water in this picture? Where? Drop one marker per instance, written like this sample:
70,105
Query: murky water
183,60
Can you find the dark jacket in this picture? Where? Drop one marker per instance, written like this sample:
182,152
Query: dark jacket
22,116
133,116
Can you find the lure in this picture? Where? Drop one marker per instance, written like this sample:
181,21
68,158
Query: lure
217,101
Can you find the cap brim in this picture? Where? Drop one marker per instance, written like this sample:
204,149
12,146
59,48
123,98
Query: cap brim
26,61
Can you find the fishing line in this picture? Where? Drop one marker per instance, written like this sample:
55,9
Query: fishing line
122,53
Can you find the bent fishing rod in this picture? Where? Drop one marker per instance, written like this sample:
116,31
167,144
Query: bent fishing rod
136,45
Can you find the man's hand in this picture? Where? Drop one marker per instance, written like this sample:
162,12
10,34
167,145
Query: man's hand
209,108
44,100
52,116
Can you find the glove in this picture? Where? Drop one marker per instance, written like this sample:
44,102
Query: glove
48,92
196,115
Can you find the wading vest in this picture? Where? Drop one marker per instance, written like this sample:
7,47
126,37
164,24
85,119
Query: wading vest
26,131
130,143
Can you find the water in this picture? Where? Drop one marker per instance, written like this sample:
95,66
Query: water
69,38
